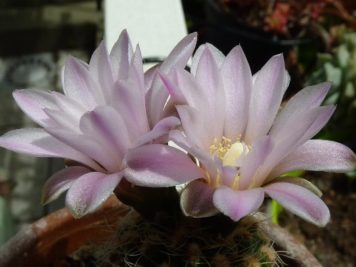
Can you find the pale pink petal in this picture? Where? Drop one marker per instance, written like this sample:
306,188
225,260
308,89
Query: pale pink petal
229,175
196,200
237,80
301,182
250,171
299,201
88,146
120,56
37,142
156,98
170,83
181,53
62,119
266,96
136,74
159,166
130,104
150,75
210,84
157,95
308,98
190,90
107,127
90,191
194,126
295,132
238,204
78,84
160,129
203,156
298,129
318,155
33,101
323,117
60,182
72,108
217,55
101,71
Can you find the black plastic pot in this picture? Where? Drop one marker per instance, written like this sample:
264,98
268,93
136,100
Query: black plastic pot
224,31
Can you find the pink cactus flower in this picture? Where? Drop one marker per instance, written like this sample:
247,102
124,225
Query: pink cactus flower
244,141
111,119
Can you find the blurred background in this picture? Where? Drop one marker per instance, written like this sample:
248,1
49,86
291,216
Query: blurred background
317,39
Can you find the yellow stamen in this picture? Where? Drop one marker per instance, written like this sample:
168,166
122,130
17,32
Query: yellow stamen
236,182
218,179
229,152
207,176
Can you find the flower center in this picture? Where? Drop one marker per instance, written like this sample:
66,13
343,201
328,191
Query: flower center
228,151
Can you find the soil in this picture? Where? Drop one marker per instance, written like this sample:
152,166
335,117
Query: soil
333,245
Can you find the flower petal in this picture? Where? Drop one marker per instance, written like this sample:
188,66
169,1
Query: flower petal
237,80
60,182
196,200
216,53
156,99
170,83
251,164
78,85
126,99
299,201
318,155
101,71
70,107
88,146
180,54
203,157
157,95
238,204
194,126
160,129
324,115
209,81
120,56
160,166
308,98
301,182
268,88
62,119
89,191
297,130
33,101
107,127
189,89
37,142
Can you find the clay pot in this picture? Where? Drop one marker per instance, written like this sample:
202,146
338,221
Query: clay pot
48,241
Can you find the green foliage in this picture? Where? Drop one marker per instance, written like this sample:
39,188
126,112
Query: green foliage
339,67
6,226
276,209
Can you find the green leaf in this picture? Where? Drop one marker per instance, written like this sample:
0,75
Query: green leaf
6,224
333,74
276,210
343,55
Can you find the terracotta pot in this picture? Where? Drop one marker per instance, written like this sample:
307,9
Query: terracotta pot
48,241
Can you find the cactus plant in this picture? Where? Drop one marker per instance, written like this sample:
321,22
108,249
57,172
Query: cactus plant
339,67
